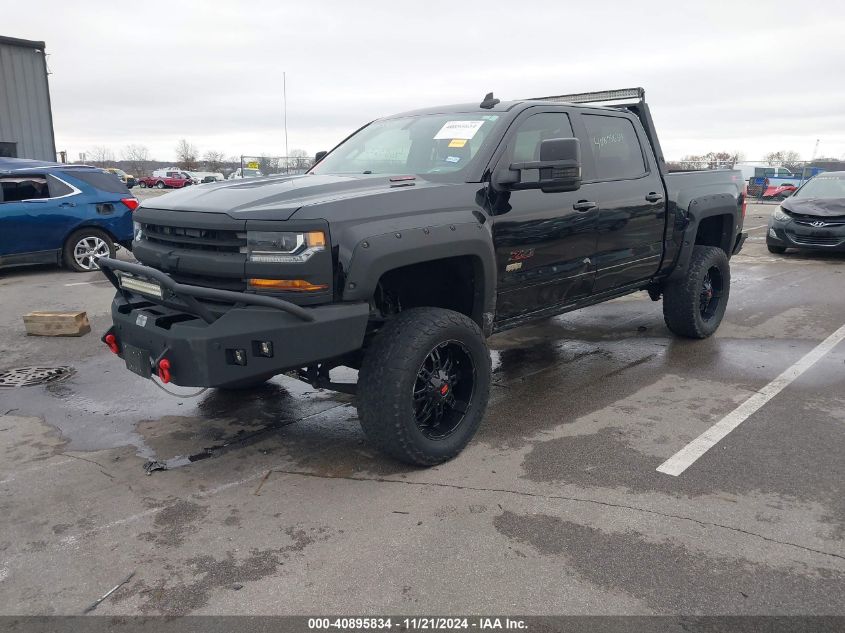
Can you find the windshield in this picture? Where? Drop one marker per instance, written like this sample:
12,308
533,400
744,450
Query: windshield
823,186
425,144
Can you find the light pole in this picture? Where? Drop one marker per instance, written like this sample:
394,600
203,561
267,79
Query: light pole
285,100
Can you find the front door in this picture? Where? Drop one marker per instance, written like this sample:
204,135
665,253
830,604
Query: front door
544,241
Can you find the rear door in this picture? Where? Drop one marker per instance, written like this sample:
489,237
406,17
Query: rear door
621,177
543,241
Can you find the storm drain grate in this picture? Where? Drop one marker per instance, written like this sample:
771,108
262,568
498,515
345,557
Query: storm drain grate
29,376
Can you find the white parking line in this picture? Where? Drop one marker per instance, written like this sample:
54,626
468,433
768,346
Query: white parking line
754,228
688,455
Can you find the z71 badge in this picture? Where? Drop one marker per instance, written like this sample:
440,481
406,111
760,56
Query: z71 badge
521,255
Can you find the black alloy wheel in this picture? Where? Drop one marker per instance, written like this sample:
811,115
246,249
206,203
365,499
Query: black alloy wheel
443,389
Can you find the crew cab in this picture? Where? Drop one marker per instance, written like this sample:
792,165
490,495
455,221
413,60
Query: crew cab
414,240
169,179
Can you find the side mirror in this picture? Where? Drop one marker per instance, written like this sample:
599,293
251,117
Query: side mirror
319,156
559,168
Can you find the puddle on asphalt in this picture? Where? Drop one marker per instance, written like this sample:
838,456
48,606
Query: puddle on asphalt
103,406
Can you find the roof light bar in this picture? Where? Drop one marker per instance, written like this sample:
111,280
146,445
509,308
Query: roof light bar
592,97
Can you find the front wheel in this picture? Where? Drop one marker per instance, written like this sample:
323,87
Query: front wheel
142,184
694,305
84,247
423,385
159,185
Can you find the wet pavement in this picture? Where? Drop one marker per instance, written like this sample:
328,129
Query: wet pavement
555,508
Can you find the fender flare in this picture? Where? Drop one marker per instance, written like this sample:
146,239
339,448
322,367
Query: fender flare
699,209
376,255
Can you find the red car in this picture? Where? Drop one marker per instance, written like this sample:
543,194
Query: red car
779,191
172,179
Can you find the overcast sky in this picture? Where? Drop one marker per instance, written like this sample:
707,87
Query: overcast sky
740,76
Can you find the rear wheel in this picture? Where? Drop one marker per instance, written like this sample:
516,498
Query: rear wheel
84,247
142,184
777,250
423,385
694,305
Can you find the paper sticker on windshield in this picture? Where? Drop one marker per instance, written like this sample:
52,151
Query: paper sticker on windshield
459,129
453,159
457,142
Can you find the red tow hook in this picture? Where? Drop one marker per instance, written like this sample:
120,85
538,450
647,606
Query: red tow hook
111,341
164,370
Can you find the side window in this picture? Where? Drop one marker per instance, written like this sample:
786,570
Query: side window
525,146
615,146
17,188
57,187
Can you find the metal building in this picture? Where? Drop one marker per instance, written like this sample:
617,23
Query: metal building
26,119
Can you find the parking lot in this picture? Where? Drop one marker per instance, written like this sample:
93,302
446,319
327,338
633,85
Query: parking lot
273,503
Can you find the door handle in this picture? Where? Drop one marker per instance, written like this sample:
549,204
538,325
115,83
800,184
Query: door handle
654,197
583,206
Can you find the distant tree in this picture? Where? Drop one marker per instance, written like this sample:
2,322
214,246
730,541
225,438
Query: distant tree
269,165
213,161
138,157
186,155
710,160
298,159
785,158
100,156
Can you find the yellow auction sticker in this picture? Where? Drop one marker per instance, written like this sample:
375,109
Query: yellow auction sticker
457,142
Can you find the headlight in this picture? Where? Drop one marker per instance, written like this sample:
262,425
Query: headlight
780,216
273,247
137,231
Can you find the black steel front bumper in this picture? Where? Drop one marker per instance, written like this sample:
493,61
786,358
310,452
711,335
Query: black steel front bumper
200,341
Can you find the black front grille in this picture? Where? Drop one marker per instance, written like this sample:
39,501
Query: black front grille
223,283
198,239
815,240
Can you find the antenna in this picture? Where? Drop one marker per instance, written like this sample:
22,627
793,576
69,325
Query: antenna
489,101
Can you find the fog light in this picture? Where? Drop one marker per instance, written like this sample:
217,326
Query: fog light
236,356
772,233
265,348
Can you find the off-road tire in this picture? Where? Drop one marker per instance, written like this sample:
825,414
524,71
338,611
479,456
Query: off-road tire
389,373
68,251
777,250
682,297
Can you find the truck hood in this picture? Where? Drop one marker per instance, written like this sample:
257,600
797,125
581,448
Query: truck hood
275,197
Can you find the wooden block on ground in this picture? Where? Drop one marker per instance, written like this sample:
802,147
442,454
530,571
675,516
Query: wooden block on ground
56,323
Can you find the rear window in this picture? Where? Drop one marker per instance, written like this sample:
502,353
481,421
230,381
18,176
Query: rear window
100,180
615,147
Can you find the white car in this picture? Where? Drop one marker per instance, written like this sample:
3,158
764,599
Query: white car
247,173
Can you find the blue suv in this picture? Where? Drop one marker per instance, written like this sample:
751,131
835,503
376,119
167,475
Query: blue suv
69,215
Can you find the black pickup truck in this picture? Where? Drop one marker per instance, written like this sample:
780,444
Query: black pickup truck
414,240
